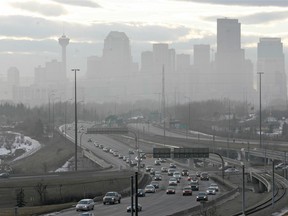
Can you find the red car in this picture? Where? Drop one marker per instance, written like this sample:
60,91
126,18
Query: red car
187,191
170,190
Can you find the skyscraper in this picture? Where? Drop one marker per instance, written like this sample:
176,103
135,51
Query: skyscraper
117,57
270,61
234,78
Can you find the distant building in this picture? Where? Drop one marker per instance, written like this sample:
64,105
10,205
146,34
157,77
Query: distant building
271,61
234,78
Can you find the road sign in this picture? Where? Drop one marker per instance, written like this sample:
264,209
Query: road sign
191,152
115,130
161,153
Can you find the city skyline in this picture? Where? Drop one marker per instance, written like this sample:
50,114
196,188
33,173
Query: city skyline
31,29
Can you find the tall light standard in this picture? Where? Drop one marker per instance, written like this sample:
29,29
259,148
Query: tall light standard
75,70
260,110
189,118
50,94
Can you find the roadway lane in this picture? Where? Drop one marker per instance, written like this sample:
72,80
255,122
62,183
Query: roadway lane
154,204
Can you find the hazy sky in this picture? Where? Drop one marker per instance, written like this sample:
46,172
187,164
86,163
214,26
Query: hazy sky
29,29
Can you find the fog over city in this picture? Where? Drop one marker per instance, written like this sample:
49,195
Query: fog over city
137,50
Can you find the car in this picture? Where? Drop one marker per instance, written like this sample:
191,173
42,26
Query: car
90,140
202,196
177,175
4,175
157,162
194,186
171,171
173,181
162,160
211,191
148,168
157,177
155,184
194,178
141,193
141,165
231,170
150,189
105,149
96,144
170,190
85,205
120,156
164,169
134,209
133,163
152,171
187,190
215,186
185,172
172,165
198,173
112,197
204,176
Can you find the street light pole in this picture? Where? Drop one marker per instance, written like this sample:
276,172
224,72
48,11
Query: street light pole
75,70
260,110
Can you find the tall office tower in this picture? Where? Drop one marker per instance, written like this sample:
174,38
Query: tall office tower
201,54
116,54
160,57
64,41
202,76
13,76
146,62
270,61
234,79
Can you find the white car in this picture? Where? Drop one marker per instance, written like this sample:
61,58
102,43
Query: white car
85,205
215,186
173,181
177,175
211,191
150,189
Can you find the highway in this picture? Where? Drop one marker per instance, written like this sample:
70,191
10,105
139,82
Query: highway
153,204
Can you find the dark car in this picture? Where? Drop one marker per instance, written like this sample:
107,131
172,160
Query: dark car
4,175
194,186
141,193
138,209
170,190
155,184
187,191
204,176
157,177
202,196
185,172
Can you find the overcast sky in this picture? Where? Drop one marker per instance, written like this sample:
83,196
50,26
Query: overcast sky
29,29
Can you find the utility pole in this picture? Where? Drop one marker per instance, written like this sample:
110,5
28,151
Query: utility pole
260,110
76,130
163,104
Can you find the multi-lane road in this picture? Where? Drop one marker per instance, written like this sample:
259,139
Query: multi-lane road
159,203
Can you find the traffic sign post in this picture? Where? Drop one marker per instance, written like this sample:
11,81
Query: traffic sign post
115,130
191,152
161,153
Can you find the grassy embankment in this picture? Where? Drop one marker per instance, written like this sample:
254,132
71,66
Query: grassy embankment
67,189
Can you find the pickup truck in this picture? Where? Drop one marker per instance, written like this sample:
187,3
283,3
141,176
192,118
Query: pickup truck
112,198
